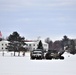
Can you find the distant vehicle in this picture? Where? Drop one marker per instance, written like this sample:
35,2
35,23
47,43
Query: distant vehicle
37,54
54,54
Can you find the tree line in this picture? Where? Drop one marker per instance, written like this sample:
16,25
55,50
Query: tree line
66,44
17,44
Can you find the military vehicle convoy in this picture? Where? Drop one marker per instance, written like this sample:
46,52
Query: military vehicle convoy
50,54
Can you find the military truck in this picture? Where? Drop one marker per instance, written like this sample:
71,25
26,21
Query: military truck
54,54
37,54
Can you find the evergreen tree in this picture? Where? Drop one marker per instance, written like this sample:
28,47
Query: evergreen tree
16,43
72,47
40,45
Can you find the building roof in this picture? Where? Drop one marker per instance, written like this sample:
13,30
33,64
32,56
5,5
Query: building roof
5,41
30,42
37,41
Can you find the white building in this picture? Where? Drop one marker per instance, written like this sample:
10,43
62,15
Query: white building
3,45
32,45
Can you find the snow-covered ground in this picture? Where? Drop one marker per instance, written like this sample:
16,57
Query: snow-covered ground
10,65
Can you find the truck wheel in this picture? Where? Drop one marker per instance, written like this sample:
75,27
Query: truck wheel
49,58
61,57
32,58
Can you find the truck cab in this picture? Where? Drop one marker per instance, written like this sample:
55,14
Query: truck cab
37,54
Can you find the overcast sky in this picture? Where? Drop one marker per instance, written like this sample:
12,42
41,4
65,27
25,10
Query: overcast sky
33,18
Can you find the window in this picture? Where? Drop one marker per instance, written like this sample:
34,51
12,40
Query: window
2,47
5,44
33,48
29,44
33,44
2,44
6,48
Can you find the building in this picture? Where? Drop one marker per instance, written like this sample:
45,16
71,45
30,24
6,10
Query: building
3,45
32,45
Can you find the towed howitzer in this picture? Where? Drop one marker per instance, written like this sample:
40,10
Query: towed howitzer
54,54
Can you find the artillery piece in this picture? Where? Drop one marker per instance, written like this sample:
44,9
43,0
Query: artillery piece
54,54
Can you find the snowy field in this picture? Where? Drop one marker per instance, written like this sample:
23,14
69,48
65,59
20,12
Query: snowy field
10,65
